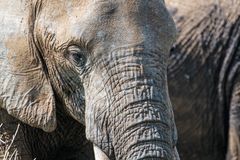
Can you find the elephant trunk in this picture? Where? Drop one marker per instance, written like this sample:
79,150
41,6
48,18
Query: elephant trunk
142,127
132,113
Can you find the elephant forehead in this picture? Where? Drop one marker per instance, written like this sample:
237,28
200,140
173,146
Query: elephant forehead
68,20
122,21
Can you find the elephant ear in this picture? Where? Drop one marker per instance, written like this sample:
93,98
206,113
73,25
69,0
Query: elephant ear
25,91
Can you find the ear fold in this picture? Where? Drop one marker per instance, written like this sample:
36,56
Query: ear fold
25,91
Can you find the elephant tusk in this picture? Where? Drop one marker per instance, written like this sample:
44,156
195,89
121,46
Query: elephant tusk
176,155
99,154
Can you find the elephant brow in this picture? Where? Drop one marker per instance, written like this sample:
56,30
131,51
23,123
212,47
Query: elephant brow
130,47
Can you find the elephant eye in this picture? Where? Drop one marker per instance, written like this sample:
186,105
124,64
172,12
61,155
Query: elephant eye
77,56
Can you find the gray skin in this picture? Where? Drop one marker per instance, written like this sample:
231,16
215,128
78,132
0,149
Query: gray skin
204,81
99,66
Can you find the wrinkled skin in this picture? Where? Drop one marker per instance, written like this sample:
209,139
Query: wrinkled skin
204,81
93,65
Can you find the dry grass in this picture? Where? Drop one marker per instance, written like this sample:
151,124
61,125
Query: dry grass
9,155
1,141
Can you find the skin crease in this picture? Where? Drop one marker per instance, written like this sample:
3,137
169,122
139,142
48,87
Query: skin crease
98,66
203,77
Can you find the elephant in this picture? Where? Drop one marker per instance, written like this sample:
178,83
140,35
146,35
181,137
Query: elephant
80,78
204,78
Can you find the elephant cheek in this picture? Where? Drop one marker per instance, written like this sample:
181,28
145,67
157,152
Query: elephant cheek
96,117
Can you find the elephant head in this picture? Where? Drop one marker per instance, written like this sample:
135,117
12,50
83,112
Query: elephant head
106,61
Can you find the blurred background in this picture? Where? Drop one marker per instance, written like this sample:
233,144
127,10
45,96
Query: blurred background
204,78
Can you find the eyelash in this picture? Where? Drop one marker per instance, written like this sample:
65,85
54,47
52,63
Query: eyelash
77,42
77,56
